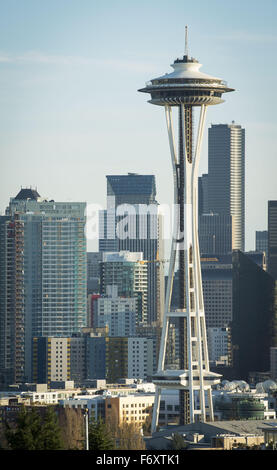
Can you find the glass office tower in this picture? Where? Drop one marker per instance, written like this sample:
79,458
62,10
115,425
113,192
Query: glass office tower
226,182
272,238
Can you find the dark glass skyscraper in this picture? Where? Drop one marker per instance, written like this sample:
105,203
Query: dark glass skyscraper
272,238
132,189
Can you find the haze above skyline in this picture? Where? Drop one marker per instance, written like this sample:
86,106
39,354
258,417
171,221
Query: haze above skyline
70,113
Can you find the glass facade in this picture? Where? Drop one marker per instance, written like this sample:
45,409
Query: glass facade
272,238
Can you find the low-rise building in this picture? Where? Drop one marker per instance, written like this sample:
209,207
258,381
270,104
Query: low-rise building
135,408
223,435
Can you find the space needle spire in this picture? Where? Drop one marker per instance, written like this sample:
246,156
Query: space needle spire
186,42
188,91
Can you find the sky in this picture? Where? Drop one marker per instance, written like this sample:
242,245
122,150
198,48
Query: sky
70,112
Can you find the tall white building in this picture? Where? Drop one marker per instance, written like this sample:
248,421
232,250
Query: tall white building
226,181
140,357
118,313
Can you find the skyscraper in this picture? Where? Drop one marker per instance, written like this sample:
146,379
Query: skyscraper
12,321
272,238
132,189
226,182
132,223
43,281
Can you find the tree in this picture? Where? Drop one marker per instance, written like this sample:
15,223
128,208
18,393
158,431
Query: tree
128,437
50,438
25,435
99,436
178,442
147,425
33,432
71,421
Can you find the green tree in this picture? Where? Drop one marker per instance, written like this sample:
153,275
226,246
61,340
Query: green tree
128,437
178,442
26,432
50,438
99,436
33,432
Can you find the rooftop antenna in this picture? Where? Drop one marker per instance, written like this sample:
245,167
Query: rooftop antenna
186,42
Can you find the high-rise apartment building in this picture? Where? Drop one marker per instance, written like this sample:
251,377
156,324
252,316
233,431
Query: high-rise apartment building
43,277
96,356
12,321
117,313
132,223
226,181
272,238
51,359
132,357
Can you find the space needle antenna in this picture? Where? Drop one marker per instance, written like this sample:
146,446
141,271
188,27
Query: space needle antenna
186,42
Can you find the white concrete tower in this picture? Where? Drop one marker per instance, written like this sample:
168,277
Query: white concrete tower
185,89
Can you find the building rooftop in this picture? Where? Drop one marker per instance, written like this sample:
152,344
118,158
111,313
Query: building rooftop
27,193
214,428
131,184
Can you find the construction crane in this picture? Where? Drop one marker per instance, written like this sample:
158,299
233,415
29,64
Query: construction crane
157,260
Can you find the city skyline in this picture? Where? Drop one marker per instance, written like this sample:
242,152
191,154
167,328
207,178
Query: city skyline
69,76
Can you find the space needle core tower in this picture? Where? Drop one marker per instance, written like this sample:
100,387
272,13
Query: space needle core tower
188,90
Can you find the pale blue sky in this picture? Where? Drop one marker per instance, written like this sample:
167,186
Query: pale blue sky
70,112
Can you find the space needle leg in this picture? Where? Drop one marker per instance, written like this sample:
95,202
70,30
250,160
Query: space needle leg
172,262
201,343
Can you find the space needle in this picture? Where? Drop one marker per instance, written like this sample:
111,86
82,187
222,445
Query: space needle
190,92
